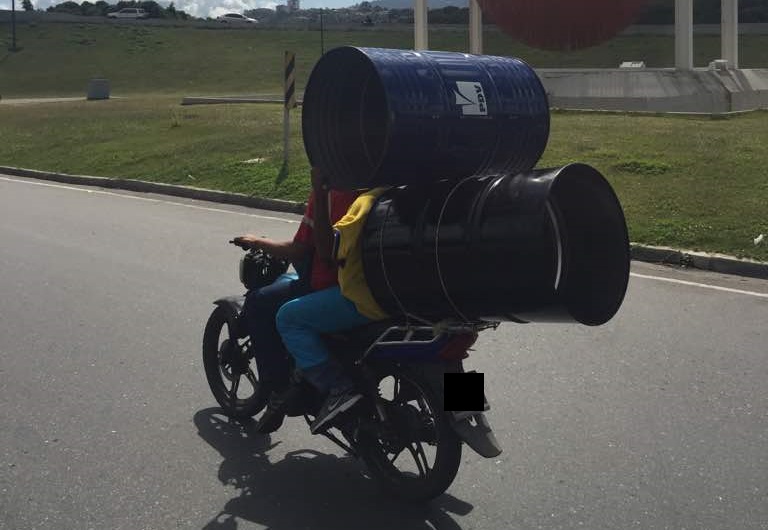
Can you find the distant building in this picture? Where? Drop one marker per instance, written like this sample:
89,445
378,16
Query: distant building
293,5
281,9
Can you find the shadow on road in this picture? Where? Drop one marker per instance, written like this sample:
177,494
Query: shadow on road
307,489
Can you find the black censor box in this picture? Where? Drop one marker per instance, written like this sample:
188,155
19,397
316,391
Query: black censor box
464,392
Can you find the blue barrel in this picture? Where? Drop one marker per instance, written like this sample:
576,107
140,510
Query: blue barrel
376,117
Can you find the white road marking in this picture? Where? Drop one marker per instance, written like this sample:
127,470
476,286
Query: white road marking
125,196
696,284
291,221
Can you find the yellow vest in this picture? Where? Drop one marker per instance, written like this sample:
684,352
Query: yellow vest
349,253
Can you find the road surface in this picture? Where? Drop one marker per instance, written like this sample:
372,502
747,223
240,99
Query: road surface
656,420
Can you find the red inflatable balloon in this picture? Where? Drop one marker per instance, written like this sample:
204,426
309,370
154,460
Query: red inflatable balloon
562,24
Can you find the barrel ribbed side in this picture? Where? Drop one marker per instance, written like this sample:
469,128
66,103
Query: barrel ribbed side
378,116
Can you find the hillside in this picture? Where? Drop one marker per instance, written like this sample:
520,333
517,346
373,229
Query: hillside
58,59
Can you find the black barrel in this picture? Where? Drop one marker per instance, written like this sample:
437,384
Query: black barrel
547,245
374,116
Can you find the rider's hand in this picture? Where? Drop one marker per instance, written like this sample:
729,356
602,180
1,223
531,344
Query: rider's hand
319,180
247,241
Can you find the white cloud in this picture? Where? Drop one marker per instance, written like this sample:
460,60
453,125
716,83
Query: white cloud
214,8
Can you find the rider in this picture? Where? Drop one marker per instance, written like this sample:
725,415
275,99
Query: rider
261,305
302,321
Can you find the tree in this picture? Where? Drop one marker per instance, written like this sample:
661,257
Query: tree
27,5
102,8
152,7
89,10
72,8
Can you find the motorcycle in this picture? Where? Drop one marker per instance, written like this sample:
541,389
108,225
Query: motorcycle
400,429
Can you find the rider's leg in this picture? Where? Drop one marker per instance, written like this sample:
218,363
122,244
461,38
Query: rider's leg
259,312
301,323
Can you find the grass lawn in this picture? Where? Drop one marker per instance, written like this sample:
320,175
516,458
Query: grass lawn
59,59
694,183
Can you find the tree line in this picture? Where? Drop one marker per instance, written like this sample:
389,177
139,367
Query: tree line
101,8
704,12
657,12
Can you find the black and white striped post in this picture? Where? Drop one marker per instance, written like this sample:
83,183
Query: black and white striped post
290,103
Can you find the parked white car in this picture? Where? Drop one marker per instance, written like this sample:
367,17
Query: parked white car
234,18
129,12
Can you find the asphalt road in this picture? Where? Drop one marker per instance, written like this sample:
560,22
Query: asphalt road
657,420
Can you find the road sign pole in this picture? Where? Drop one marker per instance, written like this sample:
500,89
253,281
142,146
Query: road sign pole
290,102
13,25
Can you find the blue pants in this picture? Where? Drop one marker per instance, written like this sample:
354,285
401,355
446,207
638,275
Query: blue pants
302,321
259,312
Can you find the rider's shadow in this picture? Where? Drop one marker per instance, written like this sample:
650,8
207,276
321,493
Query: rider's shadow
307,489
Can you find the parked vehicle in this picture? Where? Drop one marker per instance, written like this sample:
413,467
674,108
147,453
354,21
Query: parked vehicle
410,444
235,18
129,12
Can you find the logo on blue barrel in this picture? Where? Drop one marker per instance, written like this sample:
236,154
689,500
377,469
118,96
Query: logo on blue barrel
471,96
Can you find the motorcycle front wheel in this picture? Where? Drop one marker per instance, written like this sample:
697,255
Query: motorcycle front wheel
414,455
232,374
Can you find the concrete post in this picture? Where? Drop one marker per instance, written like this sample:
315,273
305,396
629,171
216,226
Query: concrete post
729,34
421,25
684,34
475,28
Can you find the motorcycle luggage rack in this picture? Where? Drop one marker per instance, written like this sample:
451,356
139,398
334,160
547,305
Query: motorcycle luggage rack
402,335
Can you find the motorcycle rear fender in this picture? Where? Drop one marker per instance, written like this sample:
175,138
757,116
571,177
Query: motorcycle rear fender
472,427
476,432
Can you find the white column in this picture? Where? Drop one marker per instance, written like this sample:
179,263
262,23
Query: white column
475,28
421,25
729,34
684,34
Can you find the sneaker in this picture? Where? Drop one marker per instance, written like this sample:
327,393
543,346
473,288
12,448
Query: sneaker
273,417
335,404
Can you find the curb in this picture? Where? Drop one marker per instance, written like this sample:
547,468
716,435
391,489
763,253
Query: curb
700,260
650,254
215,100
165,189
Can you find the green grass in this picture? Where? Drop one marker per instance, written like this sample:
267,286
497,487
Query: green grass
230,147
59,59
693,183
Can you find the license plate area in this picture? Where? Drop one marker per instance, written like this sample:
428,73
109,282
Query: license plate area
464,394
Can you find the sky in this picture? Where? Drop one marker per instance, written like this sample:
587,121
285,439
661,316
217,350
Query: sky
201,8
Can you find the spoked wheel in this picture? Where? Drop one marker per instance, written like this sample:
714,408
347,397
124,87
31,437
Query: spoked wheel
415,455
232,375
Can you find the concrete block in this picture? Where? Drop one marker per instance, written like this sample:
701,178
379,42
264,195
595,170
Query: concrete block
98,89
657,90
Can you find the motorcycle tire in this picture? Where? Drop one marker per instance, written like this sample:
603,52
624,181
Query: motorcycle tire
232,375
377,453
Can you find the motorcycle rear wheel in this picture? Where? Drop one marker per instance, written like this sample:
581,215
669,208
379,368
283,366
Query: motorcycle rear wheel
416,418
232,375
